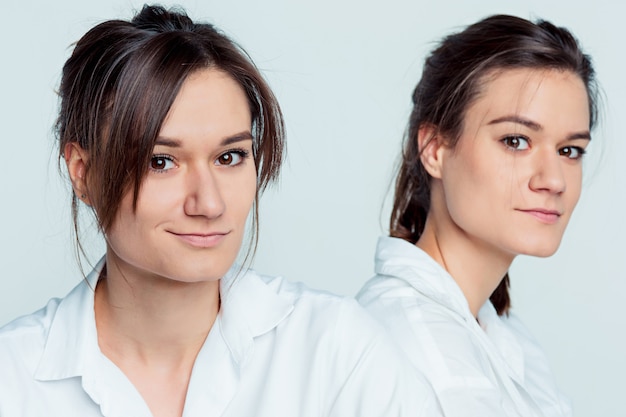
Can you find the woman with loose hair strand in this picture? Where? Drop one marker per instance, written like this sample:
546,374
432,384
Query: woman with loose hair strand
169,134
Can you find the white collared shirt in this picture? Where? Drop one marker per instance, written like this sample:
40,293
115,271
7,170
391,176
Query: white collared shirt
490,367
276,349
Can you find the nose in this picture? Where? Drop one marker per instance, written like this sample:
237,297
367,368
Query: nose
203,196
548,173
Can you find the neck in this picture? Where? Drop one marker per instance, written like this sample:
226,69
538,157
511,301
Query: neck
151,319
476,266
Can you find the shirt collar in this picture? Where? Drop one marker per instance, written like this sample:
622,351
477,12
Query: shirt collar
403,260
72,339
504,340
249,309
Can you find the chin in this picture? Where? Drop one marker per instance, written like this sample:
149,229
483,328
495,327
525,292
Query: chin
543,254
541,250
205,275
195,272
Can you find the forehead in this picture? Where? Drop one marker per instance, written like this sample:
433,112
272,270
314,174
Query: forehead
549,97
209,103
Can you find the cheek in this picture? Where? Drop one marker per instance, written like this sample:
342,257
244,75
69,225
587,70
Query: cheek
574,185
125,229
159,201
241,193
479,188
465,182
125,212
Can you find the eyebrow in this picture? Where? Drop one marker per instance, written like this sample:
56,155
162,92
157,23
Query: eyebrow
536,126
229,140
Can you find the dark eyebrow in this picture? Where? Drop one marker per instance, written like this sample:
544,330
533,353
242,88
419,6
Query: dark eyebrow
236,138
536,126
175,143
519,120
171,143
580,135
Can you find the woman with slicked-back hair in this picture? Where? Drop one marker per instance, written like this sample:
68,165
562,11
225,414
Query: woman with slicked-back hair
491,169
169,134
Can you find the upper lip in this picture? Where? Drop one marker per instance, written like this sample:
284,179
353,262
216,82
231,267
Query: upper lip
543,210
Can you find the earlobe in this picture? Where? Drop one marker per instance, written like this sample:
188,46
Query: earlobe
76,159
431,147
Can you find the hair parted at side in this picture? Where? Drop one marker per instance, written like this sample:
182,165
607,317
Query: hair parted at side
118,86
451,80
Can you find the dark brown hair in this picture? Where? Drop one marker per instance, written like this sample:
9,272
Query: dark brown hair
119,84
451,80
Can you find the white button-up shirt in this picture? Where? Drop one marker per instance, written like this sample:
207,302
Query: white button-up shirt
485,367
276,349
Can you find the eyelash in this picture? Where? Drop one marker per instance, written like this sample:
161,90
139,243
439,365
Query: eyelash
506,141
579,150
160,156
240,152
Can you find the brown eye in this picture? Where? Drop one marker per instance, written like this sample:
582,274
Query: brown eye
226,159
516,142
161,163
231,158
572,152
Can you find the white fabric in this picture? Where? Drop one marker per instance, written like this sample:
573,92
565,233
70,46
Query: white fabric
276,349
489,367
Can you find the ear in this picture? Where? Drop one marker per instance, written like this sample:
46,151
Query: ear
431,146
76,159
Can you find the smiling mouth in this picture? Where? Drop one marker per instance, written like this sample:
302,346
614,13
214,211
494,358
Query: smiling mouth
544,216
201,240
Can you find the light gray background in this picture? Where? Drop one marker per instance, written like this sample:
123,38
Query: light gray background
343,71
